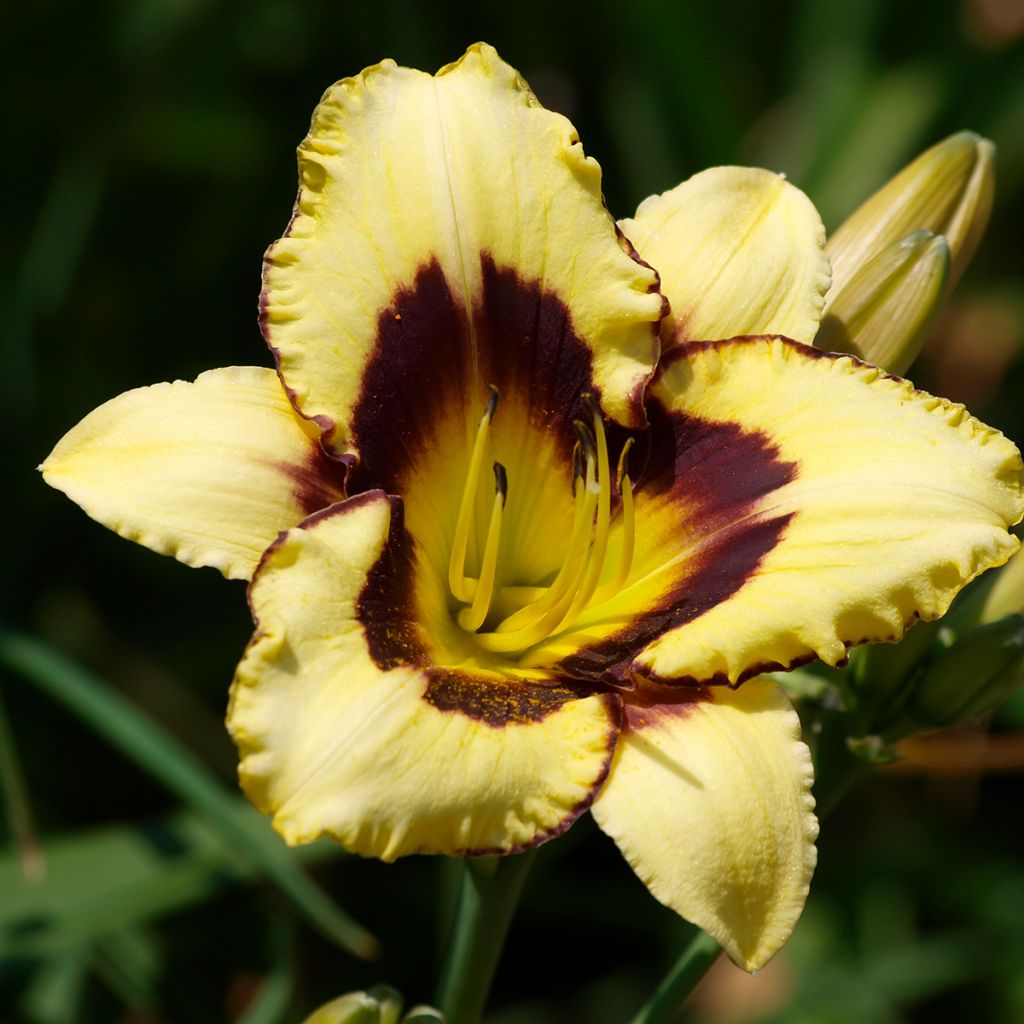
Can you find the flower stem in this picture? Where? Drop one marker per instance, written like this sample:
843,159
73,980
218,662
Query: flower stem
696,960
487,899
836,768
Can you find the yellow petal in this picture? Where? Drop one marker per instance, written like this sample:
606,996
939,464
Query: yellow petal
739,251
209,472
710,802
433,211
866,504
344,730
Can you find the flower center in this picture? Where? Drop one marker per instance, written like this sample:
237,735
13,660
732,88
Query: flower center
542,611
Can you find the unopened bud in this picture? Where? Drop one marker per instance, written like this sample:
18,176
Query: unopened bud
997,594
380,1005
973,675
947,190
423,1015
1005,596
884,312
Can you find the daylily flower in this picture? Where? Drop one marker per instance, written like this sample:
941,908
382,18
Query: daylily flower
560,555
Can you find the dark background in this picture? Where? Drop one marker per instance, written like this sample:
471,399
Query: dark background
149,160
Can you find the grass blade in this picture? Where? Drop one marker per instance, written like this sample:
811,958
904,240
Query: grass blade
55,992
107,879
18,806
163,757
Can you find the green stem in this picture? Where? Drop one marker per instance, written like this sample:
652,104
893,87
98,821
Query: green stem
697,959
836,769
487,900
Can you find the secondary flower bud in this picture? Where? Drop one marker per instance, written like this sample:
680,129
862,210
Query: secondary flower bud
972,676
999,594
947,190
380,1005
885,310
1005,595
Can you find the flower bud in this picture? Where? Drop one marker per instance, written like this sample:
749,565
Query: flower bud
1005,596
971,676
380,1005
997,594
885,310
947,190
423,1015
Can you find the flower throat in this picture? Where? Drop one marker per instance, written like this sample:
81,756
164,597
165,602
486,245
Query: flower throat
542,611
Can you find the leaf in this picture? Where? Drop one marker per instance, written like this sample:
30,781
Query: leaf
159,753
120,876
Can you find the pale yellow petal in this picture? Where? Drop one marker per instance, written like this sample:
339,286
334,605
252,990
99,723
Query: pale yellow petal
866,503
710,802
209,472
739,251
433,211
343,731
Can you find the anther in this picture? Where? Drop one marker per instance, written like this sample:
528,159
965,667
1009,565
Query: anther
586,439
492,402
622,471
500,481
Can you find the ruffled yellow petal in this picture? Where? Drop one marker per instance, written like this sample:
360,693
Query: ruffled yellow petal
432,211
709,801
870,505
209,472
344,729
739,251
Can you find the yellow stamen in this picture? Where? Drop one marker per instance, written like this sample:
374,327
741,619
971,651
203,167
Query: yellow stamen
579,540
614,585
472,618
600,545
529,614
533,623
457,581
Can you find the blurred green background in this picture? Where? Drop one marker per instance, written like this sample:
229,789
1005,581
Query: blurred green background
150,161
